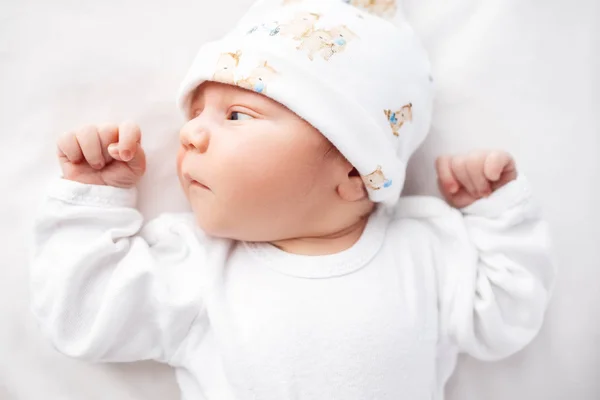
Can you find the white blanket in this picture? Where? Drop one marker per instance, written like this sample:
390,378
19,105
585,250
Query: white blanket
517,74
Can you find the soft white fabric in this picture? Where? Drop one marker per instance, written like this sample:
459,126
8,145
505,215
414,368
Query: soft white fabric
514,74
364,82
383,319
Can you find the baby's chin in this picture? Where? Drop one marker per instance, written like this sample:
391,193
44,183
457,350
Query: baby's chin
206,218
213,221
222,231
225,227
226,221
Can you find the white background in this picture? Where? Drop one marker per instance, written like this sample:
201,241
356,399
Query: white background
517,74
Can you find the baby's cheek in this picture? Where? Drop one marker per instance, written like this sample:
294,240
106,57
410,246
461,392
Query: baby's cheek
253,180
270,167
179,160
261,180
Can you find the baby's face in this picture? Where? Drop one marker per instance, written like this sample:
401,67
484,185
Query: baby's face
252,169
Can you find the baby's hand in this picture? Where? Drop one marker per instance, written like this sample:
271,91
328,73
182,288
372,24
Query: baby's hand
464,179
103,155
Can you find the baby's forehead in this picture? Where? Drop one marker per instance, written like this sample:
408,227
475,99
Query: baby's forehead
222,93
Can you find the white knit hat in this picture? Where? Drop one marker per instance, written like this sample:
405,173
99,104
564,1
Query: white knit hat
362,80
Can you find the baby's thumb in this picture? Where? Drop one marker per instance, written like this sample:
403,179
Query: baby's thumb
137,163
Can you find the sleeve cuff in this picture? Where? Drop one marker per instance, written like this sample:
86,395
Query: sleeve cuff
92,195
503,199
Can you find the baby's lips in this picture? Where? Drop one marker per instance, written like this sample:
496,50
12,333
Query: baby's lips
191,180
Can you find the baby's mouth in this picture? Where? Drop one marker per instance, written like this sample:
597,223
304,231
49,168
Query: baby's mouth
199,185
194,183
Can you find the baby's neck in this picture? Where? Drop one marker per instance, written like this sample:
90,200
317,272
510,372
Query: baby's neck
330,243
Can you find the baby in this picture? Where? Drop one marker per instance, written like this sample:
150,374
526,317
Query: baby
300,273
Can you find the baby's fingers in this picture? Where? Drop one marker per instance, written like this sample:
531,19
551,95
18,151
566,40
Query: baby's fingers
475,168
495,163
137,163
68,148
91,147
113,151
109,134
500,168
129,137
447,180
460,171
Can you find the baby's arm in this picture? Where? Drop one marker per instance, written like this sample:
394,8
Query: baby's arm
494,264
103,288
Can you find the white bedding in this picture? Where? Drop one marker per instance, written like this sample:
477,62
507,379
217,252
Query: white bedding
518,74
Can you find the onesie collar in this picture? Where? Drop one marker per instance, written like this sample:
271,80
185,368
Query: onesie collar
331,265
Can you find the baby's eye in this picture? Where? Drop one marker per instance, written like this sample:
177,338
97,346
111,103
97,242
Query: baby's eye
239,116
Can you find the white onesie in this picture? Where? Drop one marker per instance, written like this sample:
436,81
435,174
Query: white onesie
384,319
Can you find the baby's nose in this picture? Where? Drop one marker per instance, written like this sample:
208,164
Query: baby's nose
194,138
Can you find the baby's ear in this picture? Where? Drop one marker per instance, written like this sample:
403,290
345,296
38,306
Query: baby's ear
352,188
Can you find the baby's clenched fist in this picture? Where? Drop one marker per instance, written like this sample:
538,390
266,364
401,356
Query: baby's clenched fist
464,179
103,155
